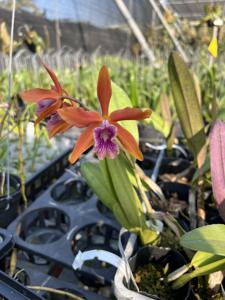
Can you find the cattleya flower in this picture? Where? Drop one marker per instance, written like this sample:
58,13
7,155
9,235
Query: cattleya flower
103,130
48,101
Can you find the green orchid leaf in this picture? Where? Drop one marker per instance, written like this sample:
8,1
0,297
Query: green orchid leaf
125,191
205,169
167,116
159,124
215,266
121,216
201,259
210,238
121,100
187,106
129,205
148,236
133,89
98,183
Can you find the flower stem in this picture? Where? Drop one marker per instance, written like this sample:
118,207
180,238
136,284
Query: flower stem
75,100
21,162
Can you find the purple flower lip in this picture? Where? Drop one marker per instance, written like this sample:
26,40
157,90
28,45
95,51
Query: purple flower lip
105,141
42,105
53,120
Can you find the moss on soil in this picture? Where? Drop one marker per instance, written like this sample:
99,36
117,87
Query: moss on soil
151,278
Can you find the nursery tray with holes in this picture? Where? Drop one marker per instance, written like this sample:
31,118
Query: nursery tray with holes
9,205
11,289
27,276
169,166
40,180
6,245
67,218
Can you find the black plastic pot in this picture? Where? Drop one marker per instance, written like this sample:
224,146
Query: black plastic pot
149,254
9,206
10,289
169,165
162,257
182,192
173,165
212,213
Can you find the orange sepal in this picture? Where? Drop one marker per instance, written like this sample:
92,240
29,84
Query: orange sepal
130,113
104,90
128,142
85,141
36,95
59,127
78,116
54,79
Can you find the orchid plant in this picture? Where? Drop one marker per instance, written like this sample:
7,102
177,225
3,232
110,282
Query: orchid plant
115,183
207,240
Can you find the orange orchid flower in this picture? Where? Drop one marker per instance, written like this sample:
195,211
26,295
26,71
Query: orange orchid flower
48,101
102,130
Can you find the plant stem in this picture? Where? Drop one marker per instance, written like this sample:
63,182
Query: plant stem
3,121
55,291
75,100
35,149
2,183
13,257
201,203
21,163
13,262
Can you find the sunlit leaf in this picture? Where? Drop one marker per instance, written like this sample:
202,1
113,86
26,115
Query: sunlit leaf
210,238
120,100
187,106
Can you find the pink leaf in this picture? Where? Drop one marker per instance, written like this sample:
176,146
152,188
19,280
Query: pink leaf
217,162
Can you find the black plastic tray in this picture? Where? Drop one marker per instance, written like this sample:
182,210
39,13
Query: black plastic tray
38,278
57,223
6,242
40,180
10,289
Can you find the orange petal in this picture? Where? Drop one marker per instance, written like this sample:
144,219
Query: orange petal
54,79
128,141
129,113
48,111
59,127
104,90
78,116
37,95
85,141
